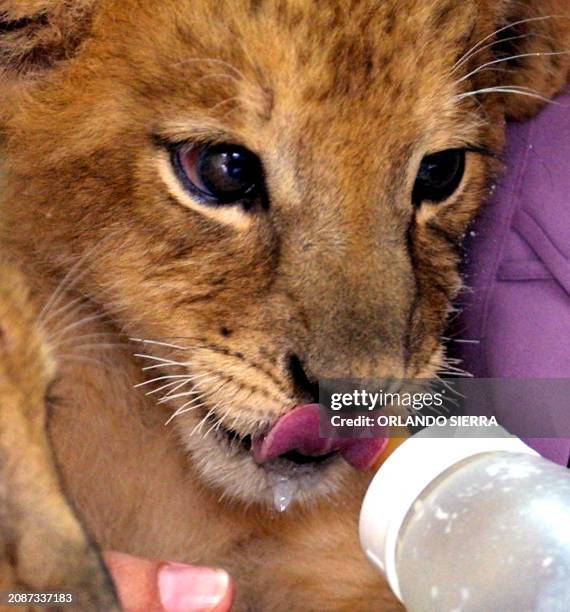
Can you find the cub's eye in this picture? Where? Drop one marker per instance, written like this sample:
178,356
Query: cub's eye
219,174
439,176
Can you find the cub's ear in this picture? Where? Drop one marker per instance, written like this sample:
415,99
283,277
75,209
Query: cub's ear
36,34
537,39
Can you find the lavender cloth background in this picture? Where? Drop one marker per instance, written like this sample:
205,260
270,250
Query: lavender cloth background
519,267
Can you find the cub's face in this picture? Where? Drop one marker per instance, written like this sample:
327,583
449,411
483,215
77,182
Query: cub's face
272,192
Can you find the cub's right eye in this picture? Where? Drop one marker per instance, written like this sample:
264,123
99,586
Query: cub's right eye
219,174
439,176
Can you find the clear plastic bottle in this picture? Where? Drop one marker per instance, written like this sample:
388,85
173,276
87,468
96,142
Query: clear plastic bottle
470,524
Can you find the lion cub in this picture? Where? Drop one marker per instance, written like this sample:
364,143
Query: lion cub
43,547
264,194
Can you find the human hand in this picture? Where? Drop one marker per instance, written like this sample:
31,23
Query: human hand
157,586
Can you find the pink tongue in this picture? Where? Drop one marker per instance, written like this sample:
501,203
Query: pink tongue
299,430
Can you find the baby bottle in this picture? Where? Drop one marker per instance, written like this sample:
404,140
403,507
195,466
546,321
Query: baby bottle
464,523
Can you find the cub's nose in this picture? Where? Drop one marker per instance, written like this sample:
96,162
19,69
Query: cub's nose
305,385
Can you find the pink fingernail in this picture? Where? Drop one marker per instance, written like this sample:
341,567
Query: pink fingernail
183,588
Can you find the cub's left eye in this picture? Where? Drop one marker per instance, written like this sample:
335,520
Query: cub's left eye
219,174
439,176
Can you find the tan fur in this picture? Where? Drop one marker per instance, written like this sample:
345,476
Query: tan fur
42,545
341,100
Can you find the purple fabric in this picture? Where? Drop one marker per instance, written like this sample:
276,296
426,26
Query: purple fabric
518,266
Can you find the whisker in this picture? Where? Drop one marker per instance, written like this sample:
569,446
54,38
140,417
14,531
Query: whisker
80,359
185,409
512,57
467,56
194,399
67,281
99,335
177,385
453,366
79,339
207,393
170,398
448,386
200,424
93,346
216,425
158,343
163,365
180,413
195,387
457,374
161,359
77,324
64,310
489,46
513,89
218,421
208,415
160,378
449,364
